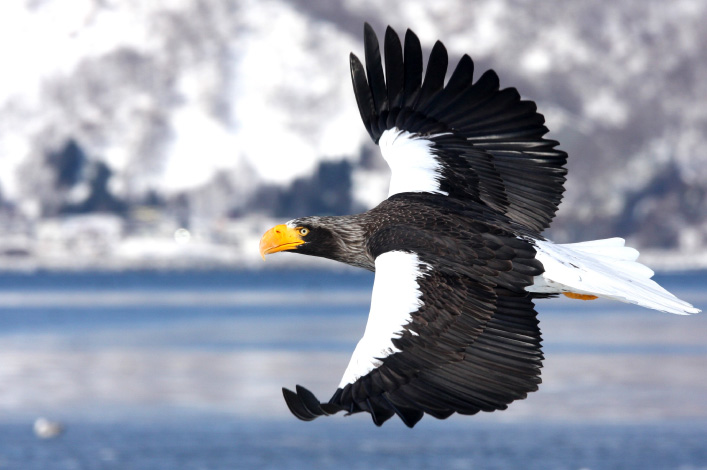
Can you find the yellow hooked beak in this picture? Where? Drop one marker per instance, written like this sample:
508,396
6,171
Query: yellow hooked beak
280,238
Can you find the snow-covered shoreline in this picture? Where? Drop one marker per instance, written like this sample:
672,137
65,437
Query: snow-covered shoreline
165,254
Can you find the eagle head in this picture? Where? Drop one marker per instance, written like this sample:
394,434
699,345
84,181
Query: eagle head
337,238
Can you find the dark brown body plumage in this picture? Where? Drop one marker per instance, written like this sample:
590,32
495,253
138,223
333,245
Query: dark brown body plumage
476,334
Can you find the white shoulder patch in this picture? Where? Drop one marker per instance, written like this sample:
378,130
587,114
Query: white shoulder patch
396,294
413,166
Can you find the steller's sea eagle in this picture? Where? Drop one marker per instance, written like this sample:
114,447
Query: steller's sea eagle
457,246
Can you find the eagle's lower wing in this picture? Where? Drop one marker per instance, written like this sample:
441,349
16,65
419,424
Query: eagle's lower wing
469,140
441,337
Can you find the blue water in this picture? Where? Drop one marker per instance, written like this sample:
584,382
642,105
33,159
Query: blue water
218,443
54,327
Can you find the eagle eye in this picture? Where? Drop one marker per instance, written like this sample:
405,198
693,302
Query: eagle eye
303,231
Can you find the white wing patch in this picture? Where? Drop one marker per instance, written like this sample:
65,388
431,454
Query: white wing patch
413,166
605,268
396,294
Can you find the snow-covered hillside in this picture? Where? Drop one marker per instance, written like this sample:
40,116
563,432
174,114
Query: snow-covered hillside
201,103
169,95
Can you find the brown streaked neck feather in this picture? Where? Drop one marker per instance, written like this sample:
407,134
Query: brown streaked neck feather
345,240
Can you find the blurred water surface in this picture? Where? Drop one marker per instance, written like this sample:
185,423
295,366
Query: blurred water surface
184,370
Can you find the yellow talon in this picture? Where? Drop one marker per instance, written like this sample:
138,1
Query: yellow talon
572,295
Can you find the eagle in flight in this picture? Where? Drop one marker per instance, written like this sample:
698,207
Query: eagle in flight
456,247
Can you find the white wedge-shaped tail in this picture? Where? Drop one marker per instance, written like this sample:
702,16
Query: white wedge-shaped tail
602,268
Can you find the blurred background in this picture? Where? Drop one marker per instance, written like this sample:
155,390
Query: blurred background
146,146
122,122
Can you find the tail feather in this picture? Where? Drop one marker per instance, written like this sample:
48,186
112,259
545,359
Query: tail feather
608,247
612,251
605,268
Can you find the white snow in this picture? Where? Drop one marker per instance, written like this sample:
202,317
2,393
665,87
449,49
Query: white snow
292,94
202,146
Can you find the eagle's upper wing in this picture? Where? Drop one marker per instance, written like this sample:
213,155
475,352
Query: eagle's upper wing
443,335
463,139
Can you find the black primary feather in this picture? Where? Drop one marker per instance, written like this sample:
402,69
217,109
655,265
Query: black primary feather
413,69
364,98
394,71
